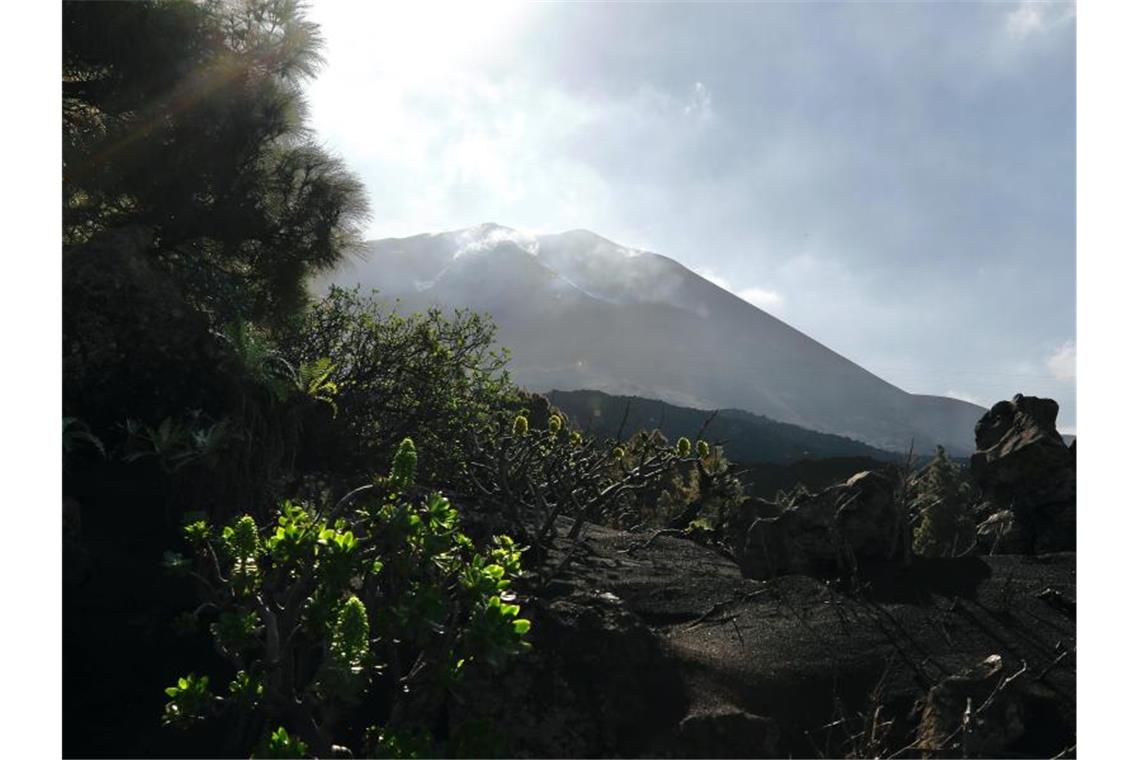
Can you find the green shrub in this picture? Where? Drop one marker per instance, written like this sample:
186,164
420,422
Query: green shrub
696,494
190,700
940,496
432,378
77,435
279,744
533,481
323,607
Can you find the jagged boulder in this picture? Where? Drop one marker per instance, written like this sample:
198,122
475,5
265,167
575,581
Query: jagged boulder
1024,467
835,529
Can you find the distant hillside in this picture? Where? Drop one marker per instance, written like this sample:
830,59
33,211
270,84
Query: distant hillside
747,437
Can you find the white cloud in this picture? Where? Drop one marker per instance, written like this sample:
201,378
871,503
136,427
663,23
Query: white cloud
764,299
699,104
1037,16
714,278
968,397
758,297
1062,363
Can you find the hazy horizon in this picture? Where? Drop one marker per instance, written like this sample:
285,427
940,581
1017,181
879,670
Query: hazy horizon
897,181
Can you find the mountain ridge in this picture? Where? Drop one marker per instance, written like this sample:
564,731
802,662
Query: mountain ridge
579,311
746,437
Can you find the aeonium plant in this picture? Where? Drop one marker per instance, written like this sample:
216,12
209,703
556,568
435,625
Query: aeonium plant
378,598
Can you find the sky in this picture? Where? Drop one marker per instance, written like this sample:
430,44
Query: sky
896,180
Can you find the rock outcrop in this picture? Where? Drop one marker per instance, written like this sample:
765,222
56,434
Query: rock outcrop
1028,476
819,533
596,683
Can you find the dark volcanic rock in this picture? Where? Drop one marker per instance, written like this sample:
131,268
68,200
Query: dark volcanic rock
1023,465
836,529
596,683
662,648
724,733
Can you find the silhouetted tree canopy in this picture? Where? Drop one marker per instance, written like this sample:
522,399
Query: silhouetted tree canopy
187,120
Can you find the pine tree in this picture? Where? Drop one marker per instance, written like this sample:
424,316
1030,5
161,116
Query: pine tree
186,120
942,495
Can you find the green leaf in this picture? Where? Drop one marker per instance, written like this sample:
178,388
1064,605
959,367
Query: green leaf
522,625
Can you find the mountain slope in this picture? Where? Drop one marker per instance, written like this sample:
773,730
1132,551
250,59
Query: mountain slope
579,311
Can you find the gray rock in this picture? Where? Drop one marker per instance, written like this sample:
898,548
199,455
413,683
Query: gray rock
1023,465
835,529
1001,533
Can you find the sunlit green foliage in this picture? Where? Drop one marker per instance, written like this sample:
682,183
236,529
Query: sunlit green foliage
190,700
370,594
279,744
349,634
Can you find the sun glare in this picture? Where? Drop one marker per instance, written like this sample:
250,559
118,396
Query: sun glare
414,41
